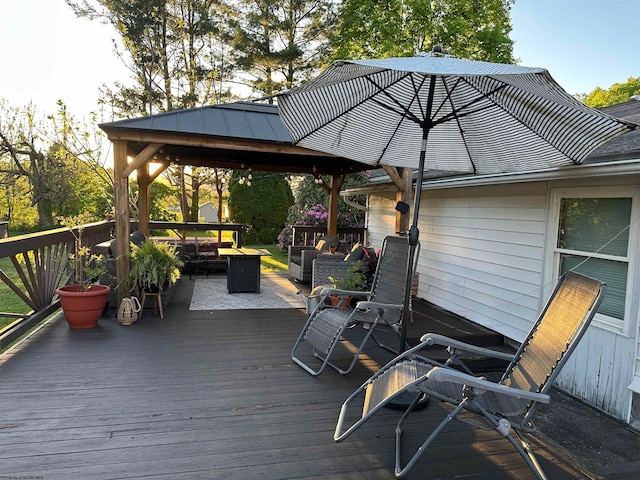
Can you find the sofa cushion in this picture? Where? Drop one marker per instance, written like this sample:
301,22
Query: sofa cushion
325,243
356,253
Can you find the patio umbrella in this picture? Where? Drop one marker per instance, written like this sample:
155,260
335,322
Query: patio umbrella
443,116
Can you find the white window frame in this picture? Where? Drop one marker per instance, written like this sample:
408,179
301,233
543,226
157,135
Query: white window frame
615,325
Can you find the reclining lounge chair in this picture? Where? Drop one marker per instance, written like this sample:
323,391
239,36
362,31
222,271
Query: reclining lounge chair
382,305
507,406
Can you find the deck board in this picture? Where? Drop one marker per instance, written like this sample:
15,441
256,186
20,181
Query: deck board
211,395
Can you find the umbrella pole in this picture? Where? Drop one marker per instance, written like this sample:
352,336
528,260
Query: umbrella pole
414,233
413,236
403,400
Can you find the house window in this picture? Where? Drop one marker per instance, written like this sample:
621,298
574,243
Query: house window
594,238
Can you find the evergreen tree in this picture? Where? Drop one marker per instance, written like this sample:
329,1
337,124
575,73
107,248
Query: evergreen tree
175,49
259,200
279,44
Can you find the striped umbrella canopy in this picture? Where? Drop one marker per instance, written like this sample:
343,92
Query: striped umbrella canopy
443,116
479,117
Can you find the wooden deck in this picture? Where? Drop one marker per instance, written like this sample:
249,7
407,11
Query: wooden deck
211,395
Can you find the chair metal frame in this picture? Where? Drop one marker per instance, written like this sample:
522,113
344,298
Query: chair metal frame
505,406
381,306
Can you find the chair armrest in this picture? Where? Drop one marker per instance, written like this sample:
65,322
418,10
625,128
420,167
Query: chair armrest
309,255
368,305
441,374
330,257
297,249
344,293
435,339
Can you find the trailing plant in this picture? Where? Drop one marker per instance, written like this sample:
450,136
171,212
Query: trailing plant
154,264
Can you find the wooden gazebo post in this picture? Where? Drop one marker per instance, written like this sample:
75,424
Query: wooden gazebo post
121,191
144,198
333,189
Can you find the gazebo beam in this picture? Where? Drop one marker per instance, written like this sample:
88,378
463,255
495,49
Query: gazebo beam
225,143
148,152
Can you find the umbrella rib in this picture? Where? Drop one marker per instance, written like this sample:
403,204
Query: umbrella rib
405,114
402,111
497,105
457,119
448,97
457,113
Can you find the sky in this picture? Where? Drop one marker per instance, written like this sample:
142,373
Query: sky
48,54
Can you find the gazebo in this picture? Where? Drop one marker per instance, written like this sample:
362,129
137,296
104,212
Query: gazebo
232,136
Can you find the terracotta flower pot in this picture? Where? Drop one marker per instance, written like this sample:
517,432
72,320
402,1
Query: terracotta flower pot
335,301
83,309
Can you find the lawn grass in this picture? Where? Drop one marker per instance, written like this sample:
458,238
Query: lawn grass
277,262
9,301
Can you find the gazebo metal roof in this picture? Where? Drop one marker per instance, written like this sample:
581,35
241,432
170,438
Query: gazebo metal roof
227,136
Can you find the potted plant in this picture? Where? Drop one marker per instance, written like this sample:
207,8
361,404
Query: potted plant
353,280
82,301
154,266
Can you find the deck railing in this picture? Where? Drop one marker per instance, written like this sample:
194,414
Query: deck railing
37,260
236,228
307,235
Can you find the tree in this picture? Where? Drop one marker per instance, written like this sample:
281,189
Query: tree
175,50
56,155
163,199
616,93
261,202
278,44
470,29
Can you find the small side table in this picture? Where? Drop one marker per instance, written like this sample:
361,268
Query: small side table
144,298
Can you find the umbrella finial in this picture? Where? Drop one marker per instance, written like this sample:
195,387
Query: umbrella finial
437,51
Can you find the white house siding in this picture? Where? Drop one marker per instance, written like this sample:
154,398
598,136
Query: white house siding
600,370
483,257
380,218
482,253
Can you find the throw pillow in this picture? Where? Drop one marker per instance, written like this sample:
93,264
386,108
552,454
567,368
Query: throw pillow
356,253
